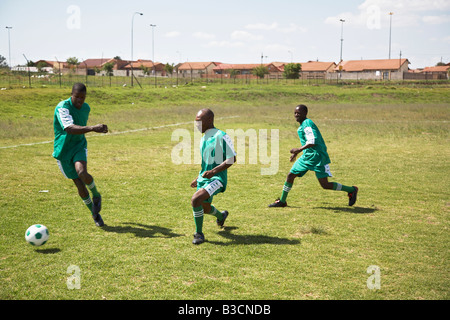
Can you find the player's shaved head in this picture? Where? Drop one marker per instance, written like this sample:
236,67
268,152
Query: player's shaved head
300,112
79,87
302,108
206,114
206,117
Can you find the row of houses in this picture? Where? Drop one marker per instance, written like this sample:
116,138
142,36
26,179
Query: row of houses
381,69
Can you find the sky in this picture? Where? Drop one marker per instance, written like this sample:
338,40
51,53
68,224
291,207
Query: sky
231,31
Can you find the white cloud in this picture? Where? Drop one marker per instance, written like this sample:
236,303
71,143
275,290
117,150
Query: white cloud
407,5
375,13
292,27
436,19
244,35
224,44
172,34
262,26
277,48
203,35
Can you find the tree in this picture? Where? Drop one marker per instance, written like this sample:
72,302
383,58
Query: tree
108,68
169,68
41,65
292,70
73,62
233,73
260,71
3,63
145,69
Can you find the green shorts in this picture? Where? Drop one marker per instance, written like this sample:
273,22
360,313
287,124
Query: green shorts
67,167
212,187
300,168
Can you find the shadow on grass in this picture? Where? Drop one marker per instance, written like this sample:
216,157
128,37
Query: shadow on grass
48,251
142,230
250,239
357,210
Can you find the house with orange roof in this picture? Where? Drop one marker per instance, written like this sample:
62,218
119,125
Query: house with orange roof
245,70
143,67
196,69
316,69
438,72
382,69
97,64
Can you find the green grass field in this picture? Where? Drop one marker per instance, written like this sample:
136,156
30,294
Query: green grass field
392,142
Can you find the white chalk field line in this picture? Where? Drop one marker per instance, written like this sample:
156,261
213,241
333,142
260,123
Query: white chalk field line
115,133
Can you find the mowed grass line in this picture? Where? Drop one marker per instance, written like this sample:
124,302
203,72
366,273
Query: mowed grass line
317,248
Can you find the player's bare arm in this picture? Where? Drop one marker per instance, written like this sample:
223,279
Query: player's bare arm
223,166
296,151
75,129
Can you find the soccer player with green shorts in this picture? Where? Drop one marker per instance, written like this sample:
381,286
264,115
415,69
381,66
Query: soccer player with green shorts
314,158
218,155
70,146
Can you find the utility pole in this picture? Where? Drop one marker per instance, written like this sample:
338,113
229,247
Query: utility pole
9,47
153,50
132,26
342,35
390,32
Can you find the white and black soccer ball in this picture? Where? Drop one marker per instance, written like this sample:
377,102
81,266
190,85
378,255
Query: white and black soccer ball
37,235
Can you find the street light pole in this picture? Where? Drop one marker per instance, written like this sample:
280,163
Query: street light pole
390,32
132,26
153,50
342,35
9,47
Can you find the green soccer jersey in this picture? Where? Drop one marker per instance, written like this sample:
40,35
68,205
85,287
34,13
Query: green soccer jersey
315,156
66,145
215,147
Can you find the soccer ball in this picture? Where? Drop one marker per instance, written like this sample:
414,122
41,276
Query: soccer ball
37,235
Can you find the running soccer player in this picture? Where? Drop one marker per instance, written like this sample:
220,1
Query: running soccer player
314,158
70,147
218,155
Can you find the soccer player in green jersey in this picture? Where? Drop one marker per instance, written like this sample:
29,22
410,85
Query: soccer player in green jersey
314,158
218,155
70,146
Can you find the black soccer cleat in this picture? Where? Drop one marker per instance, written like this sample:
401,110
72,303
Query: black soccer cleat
352,196
224,217
96,204
98,220
278,204
199,238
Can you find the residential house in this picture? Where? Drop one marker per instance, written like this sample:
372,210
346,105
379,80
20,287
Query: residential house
438,72
316,69
95,66
45,65
383,69
196,69
145,68
53,66
245,71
